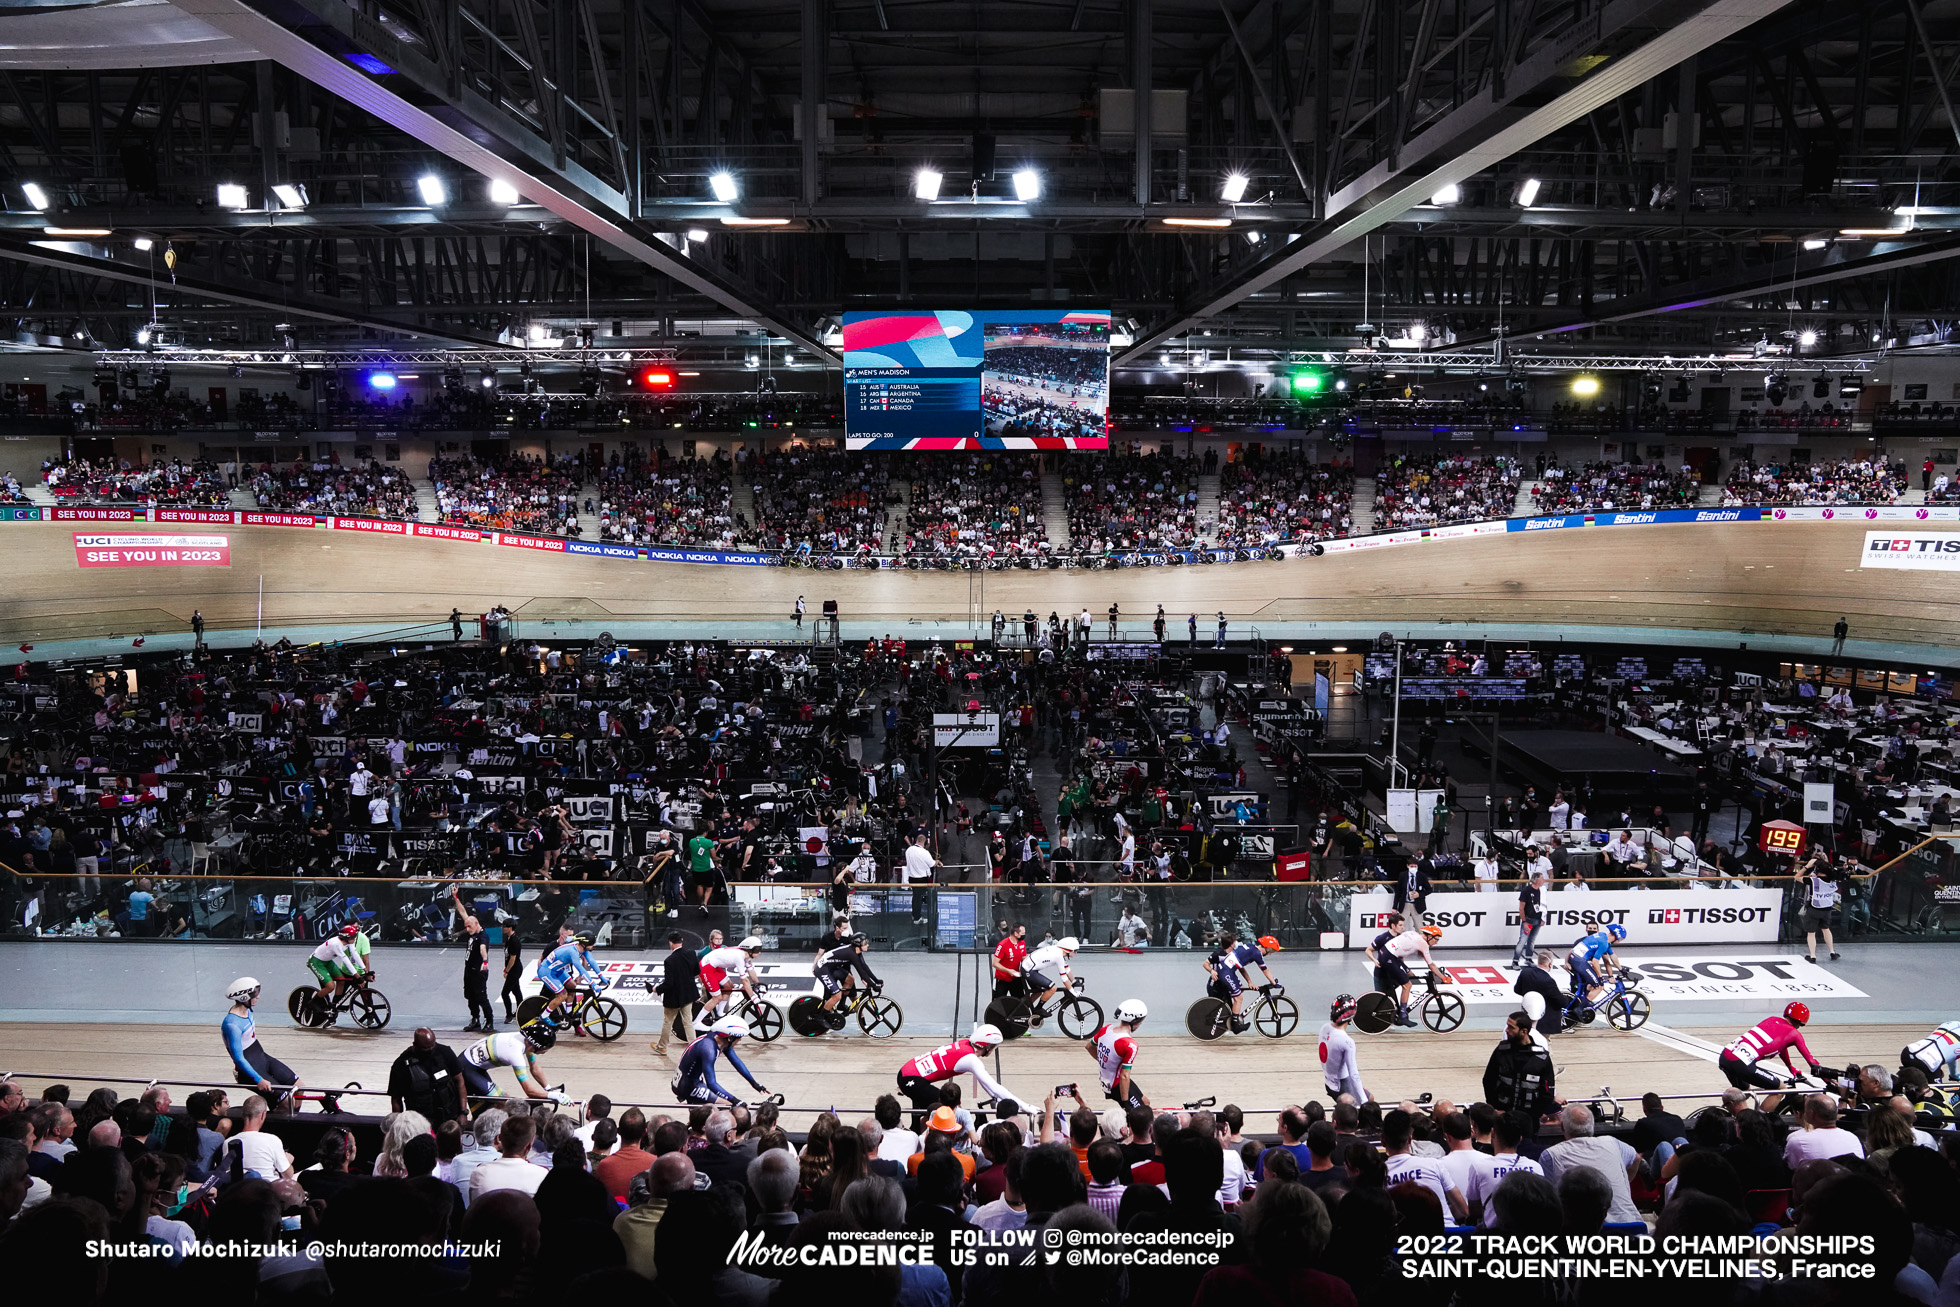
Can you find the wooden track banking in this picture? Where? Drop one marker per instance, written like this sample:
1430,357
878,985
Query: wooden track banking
851,1070
1770,578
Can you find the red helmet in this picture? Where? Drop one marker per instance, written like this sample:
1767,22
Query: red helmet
350,930
1797,1014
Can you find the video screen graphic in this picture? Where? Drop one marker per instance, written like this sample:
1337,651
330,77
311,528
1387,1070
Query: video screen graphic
957,380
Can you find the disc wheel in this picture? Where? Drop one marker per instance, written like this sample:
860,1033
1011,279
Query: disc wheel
370,1009
1374,1012
604,1019
880,1017
1443,1012
765,1021
1079,1016
1630,1012
299,1005
1276,1018
806,1016
530,1010
1009,1016
1208,1018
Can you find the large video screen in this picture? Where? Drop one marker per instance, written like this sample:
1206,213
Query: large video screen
996,380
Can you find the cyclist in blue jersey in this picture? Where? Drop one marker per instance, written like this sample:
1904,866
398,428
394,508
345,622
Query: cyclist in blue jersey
250,1063
558,968
1595,944
695,1082
1227,965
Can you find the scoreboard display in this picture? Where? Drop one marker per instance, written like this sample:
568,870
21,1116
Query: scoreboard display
1011,379
1782,837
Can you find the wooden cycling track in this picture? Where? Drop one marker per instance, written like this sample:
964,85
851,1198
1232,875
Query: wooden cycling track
1737,578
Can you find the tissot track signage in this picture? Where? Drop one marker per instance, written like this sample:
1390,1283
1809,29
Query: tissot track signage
1917,551
1659,916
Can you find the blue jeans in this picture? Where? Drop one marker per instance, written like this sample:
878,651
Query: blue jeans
1527,940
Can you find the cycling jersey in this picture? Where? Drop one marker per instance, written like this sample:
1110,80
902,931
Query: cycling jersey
1937,1053
953,1060
1046,960
1340,1069
250,1062
1225,979
335,958
557,968
1115,1054
1592,947
696,1080
506,1049
1247,956
1770,1037
834,964
724,968
1406,945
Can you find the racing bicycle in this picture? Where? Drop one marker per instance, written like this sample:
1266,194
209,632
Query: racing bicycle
1626,1008
1440,1009
878,1016
1076,1014
587,1013
1275,1015
765,1018
366,1004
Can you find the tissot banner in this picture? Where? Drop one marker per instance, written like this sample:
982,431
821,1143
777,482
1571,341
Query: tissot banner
1912,551
1674,978
1659,916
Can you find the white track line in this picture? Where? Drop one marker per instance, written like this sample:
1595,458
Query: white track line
1680,1043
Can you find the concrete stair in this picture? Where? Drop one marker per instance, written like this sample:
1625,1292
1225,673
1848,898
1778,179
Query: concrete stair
1524,505
895,517
38,493
1364,505
741,497
1054,509
426,508
588,523
1710,496
1208,504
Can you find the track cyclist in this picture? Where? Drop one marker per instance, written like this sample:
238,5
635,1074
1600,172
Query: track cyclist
1047,971
515,1049
695,1082
1114,1047
1770,1037
1340,1069
340,960
1936,1054
250,1063
834,969
1591,954
725,970
919,1079
558,968
1391,951
1227,966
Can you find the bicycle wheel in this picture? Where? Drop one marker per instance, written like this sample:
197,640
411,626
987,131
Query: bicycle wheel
1009,1016
299,1004
604,1019
1629,1011
1079,1016
765,1020
1442,1012
1276,1018
530,1010
1374,1013
370,1009
806,1016
1208,1018
880,1017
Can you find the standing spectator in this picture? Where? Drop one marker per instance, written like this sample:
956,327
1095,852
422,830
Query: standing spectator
680,990
455,625
1530,918
1220,642
1192,625
801,607
197,627
513,990
1614,1160
1838,633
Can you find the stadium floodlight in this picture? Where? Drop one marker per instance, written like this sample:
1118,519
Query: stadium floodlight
488,379
1449,194
1527,192
925,184
433,190
36,197
502,192
722,184
290,195
1027,185
1234,188
1807,338
382,380
1812,246
232,196
1307,383
1585,387
143,244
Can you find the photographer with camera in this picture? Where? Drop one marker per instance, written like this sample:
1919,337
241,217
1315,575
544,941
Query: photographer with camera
1824,882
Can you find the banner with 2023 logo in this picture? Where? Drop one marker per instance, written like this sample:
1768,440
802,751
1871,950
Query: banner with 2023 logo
1658,916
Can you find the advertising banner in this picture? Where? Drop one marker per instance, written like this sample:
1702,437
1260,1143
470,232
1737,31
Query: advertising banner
707,556
465,533
601,550
209,516
152,551
1670,978
1919,551
550,544
370,524
280,519
92,514
19,513
1659,916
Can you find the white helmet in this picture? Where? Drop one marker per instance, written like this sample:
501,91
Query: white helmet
243,990
732,1027
1131,1012
985,1036
1068,943
751,944
1534,1006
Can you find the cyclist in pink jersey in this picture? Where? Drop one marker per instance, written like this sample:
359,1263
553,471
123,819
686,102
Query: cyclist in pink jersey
1771,1037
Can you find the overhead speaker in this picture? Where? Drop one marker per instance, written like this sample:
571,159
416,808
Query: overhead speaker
1820,166
139,167
983,157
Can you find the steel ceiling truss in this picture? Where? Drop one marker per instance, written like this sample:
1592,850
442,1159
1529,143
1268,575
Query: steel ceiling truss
395,357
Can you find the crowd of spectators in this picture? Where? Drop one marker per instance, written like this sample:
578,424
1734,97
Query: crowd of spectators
1838,481
1281,497
197,484
324,486
11,491
669,501
1416,490
831,501
1147,501
513,493
1801,418
984,502
1615,487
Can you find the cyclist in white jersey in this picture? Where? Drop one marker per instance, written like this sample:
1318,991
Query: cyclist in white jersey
726,970
1937,1053
1340,1070
1115,1049
517,1050
1047,970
